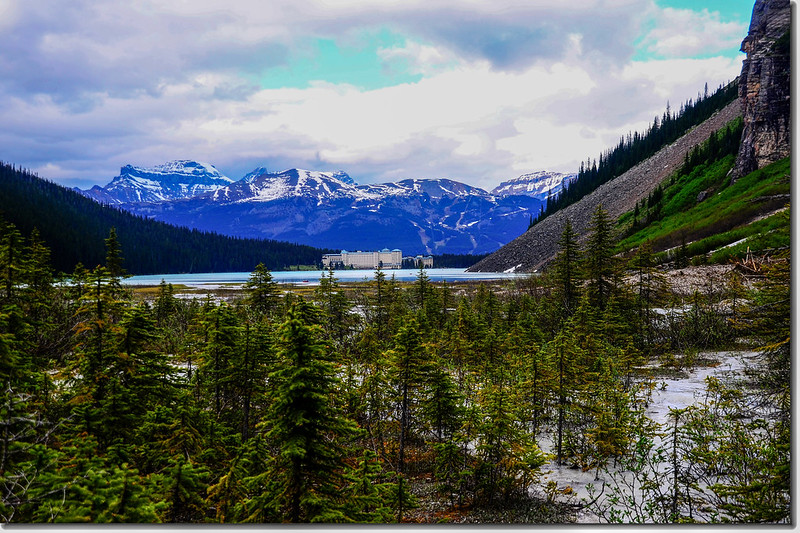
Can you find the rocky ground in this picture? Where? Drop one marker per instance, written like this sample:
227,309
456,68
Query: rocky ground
533,249
704,279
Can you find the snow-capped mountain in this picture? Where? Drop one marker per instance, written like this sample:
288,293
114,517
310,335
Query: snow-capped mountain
170,181
540,185
330,210
261,185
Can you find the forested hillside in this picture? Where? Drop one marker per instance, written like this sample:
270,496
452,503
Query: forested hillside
391,403
75,227
638,147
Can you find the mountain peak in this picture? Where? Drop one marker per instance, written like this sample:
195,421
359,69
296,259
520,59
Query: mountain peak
261,185
182,178
540,184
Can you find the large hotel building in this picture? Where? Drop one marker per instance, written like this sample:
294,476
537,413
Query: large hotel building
388,259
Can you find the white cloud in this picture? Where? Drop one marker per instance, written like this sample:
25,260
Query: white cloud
688,33
681,79
418,58
507,86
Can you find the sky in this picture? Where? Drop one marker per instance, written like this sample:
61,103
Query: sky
478,91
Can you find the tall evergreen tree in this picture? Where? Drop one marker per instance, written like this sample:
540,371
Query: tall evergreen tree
408,367
11,259
114,259
303,481
599,259
650,288
566,268
262,291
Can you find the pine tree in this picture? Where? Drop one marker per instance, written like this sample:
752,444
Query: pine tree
650,289
249,373
165,303
221,351
11,259
109,495
368,496
137,380
40,299
508,458
114,259
303,481
407,367
335,307
566,268
183,487
599,259
99,314
566,356
262,291
381,304
443,404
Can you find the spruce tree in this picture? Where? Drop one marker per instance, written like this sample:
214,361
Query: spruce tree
95,347
442,405
335,307
566,268
508,458
599,258
303,481
11,260
114,259
649,290
407,367
262,291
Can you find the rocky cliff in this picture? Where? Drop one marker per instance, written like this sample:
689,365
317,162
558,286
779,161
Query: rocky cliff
764,88
537,246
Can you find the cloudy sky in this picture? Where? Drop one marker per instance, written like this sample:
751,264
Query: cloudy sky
474,90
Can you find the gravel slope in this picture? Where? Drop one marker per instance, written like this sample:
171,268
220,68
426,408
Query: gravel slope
532,250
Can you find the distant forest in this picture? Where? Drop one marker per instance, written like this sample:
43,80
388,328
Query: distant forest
75,227
456,260
636,147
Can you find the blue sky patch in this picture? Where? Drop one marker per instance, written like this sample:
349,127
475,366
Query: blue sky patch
730,11
357,64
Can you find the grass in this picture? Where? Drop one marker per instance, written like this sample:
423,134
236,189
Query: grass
153,290
724,217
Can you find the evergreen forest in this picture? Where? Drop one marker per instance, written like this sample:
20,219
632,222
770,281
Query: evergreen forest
388,402
73,227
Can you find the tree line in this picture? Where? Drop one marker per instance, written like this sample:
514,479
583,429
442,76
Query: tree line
637,147
74,227
363,405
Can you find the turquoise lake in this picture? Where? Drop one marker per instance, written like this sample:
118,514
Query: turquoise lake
312,277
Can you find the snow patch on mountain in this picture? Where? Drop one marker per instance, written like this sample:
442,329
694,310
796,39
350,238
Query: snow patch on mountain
170,181
264,186
540,185
329,209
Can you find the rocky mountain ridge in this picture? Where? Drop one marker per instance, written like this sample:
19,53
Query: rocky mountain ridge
170,181
328,209
765,109
538,246
764,87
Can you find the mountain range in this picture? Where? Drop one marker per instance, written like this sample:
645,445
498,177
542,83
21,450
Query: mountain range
330,210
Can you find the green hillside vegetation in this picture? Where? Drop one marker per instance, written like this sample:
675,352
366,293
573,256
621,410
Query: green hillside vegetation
680,224
75,227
